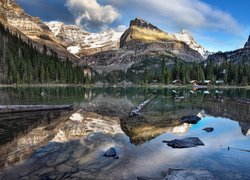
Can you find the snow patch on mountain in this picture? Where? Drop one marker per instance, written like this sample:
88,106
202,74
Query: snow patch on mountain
186,37
74,49
80,42
55,27
97,40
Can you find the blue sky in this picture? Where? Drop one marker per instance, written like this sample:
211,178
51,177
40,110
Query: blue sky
217,25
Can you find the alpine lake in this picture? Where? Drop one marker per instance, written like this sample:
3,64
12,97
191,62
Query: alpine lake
47,145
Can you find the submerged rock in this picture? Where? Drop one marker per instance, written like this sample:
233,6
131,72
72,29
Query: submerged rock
192,119
208,129
111,153
184,143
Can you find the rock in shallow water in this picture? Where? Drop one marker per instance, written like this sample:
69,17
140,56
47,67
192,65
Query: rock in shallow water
111,153
190,119
208,129
185,143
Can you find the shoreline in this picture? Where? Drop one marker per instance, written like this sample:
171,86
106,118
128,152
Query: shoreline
122,86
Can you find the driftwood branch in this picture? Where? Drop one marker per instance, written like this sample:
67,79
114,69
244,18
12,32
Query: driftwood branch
135,112
30,108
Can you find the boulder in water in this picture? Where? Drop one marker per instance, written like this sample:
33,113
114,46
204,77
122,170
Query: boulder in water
208,129
111,153
184,143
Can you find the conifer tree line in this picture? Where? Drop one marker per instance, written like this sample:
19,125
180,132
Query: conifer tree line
228,72
22,63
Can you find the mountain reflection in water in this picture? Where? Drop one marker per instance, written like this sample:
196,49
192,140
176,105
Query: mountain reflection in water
227,111
21,133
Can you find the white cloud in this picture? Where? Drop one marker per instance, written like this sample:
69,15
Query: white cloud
181,13
92,15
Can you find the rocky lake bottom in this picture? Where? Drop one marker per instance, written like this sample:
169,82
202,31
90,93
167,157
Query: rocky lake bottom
161,142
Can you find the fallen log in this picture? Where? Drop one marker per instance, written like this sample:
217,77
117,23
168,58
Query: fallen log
135,112
31,108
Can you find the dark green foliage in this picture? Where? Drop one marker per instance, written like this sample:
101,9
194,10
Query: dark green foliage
24,64
165,71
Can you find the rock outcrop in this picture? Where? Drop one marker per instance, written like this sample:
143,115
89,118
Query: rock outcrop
140,30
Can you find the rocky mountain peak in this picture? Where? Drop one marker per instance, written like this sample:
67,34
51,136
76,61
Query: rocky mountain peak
138,22
247,45
142,31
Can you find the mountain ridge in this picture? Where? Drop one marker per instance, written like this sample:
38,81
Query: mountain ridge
31,29
142,42
237,56
83,43
86,43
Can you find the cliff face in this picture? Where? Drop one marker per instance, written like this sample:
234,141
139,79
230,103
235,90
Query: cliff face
30,28
140,30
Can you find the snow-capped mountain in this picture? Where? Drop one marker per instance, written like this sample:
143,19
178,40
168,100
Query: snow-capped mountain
186,37
82,43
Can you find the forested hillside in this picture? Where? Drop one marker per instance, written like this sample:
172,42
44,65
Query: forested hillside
21,63
156,70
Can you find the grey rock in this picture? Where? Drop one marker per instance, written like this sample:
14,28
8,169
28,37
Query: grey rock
185,143
111,153
209,129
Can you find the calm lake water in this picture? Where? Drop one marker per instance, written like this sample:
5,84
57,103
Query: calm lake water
226,110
